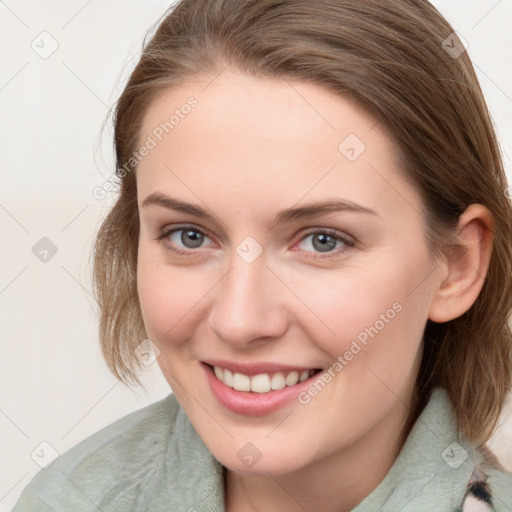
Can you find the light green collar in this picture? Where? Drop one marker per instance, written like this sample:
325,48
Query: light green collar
433,468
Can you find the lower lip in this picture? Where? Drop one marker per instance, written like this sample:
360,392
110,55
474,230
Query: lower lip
253,404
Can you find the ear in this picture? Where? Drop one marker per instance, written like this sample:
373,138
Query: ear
464,270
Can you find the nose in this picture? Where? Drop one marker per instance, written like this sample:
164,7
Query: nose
249,304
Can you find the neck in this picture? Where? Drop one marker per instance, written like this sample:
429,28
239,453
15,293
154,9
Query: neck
335,483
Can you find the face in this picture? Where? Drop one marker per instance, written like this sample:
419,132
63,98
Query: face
280,245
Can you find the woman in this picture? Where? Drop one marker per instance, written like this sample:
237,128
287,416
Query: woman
314,238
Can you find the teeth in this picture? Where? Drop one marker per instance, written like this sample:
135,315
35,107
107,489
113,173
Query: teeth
228,378
304,375
241,382
278,381
261,383
292,378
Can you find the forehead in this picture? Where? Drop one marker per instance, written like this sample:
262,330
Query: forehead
263,107
268,137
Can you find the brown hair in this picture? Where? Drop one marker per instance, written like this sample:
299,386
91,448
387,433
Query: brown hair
391,57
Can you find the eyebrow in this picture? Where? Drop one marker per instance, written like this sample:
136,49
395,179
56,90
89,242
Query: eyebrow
288,215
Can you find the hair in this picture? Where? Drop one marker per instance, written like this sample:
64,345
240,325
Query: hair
388,57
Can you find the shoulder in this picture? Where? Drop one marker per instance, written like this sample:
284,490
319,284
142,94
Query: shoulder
103,466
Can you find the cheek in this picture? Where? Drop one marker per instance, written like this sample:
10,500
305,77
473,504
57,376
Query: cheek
170,300
343,304
372,314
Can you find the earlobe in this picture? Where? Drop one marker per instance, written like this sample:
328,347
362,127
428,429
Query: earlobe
466,267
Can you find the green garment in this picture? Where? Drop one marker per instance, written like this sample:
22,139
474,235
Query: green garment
153,460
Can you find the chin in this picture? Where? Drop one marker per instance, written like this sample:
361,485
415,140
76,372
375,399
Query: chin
254,459
264,468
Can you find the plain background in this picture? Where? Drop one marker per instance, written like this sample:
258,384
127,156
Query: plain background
55,387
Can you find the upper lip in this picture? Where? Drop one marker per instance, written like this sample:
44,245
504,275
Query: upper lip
256,368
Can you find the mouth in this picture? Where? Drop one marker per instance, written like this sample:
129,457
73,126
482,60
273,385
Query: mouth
261,383
256,389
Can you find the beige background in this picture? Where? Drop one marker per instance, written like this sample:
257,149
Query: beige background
55,388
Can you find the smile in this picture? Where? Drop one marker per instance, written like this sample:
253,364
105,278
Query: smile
256,389
263,382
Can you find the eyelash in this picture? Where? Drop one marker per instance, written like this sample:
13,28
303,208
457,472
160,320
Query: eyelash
324,231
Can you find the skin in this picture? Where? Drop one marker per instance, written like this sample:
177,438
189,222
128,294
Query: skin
251,148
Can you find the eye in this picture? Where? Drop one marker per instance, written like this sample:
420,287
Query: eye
323,243
326,243
186,237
